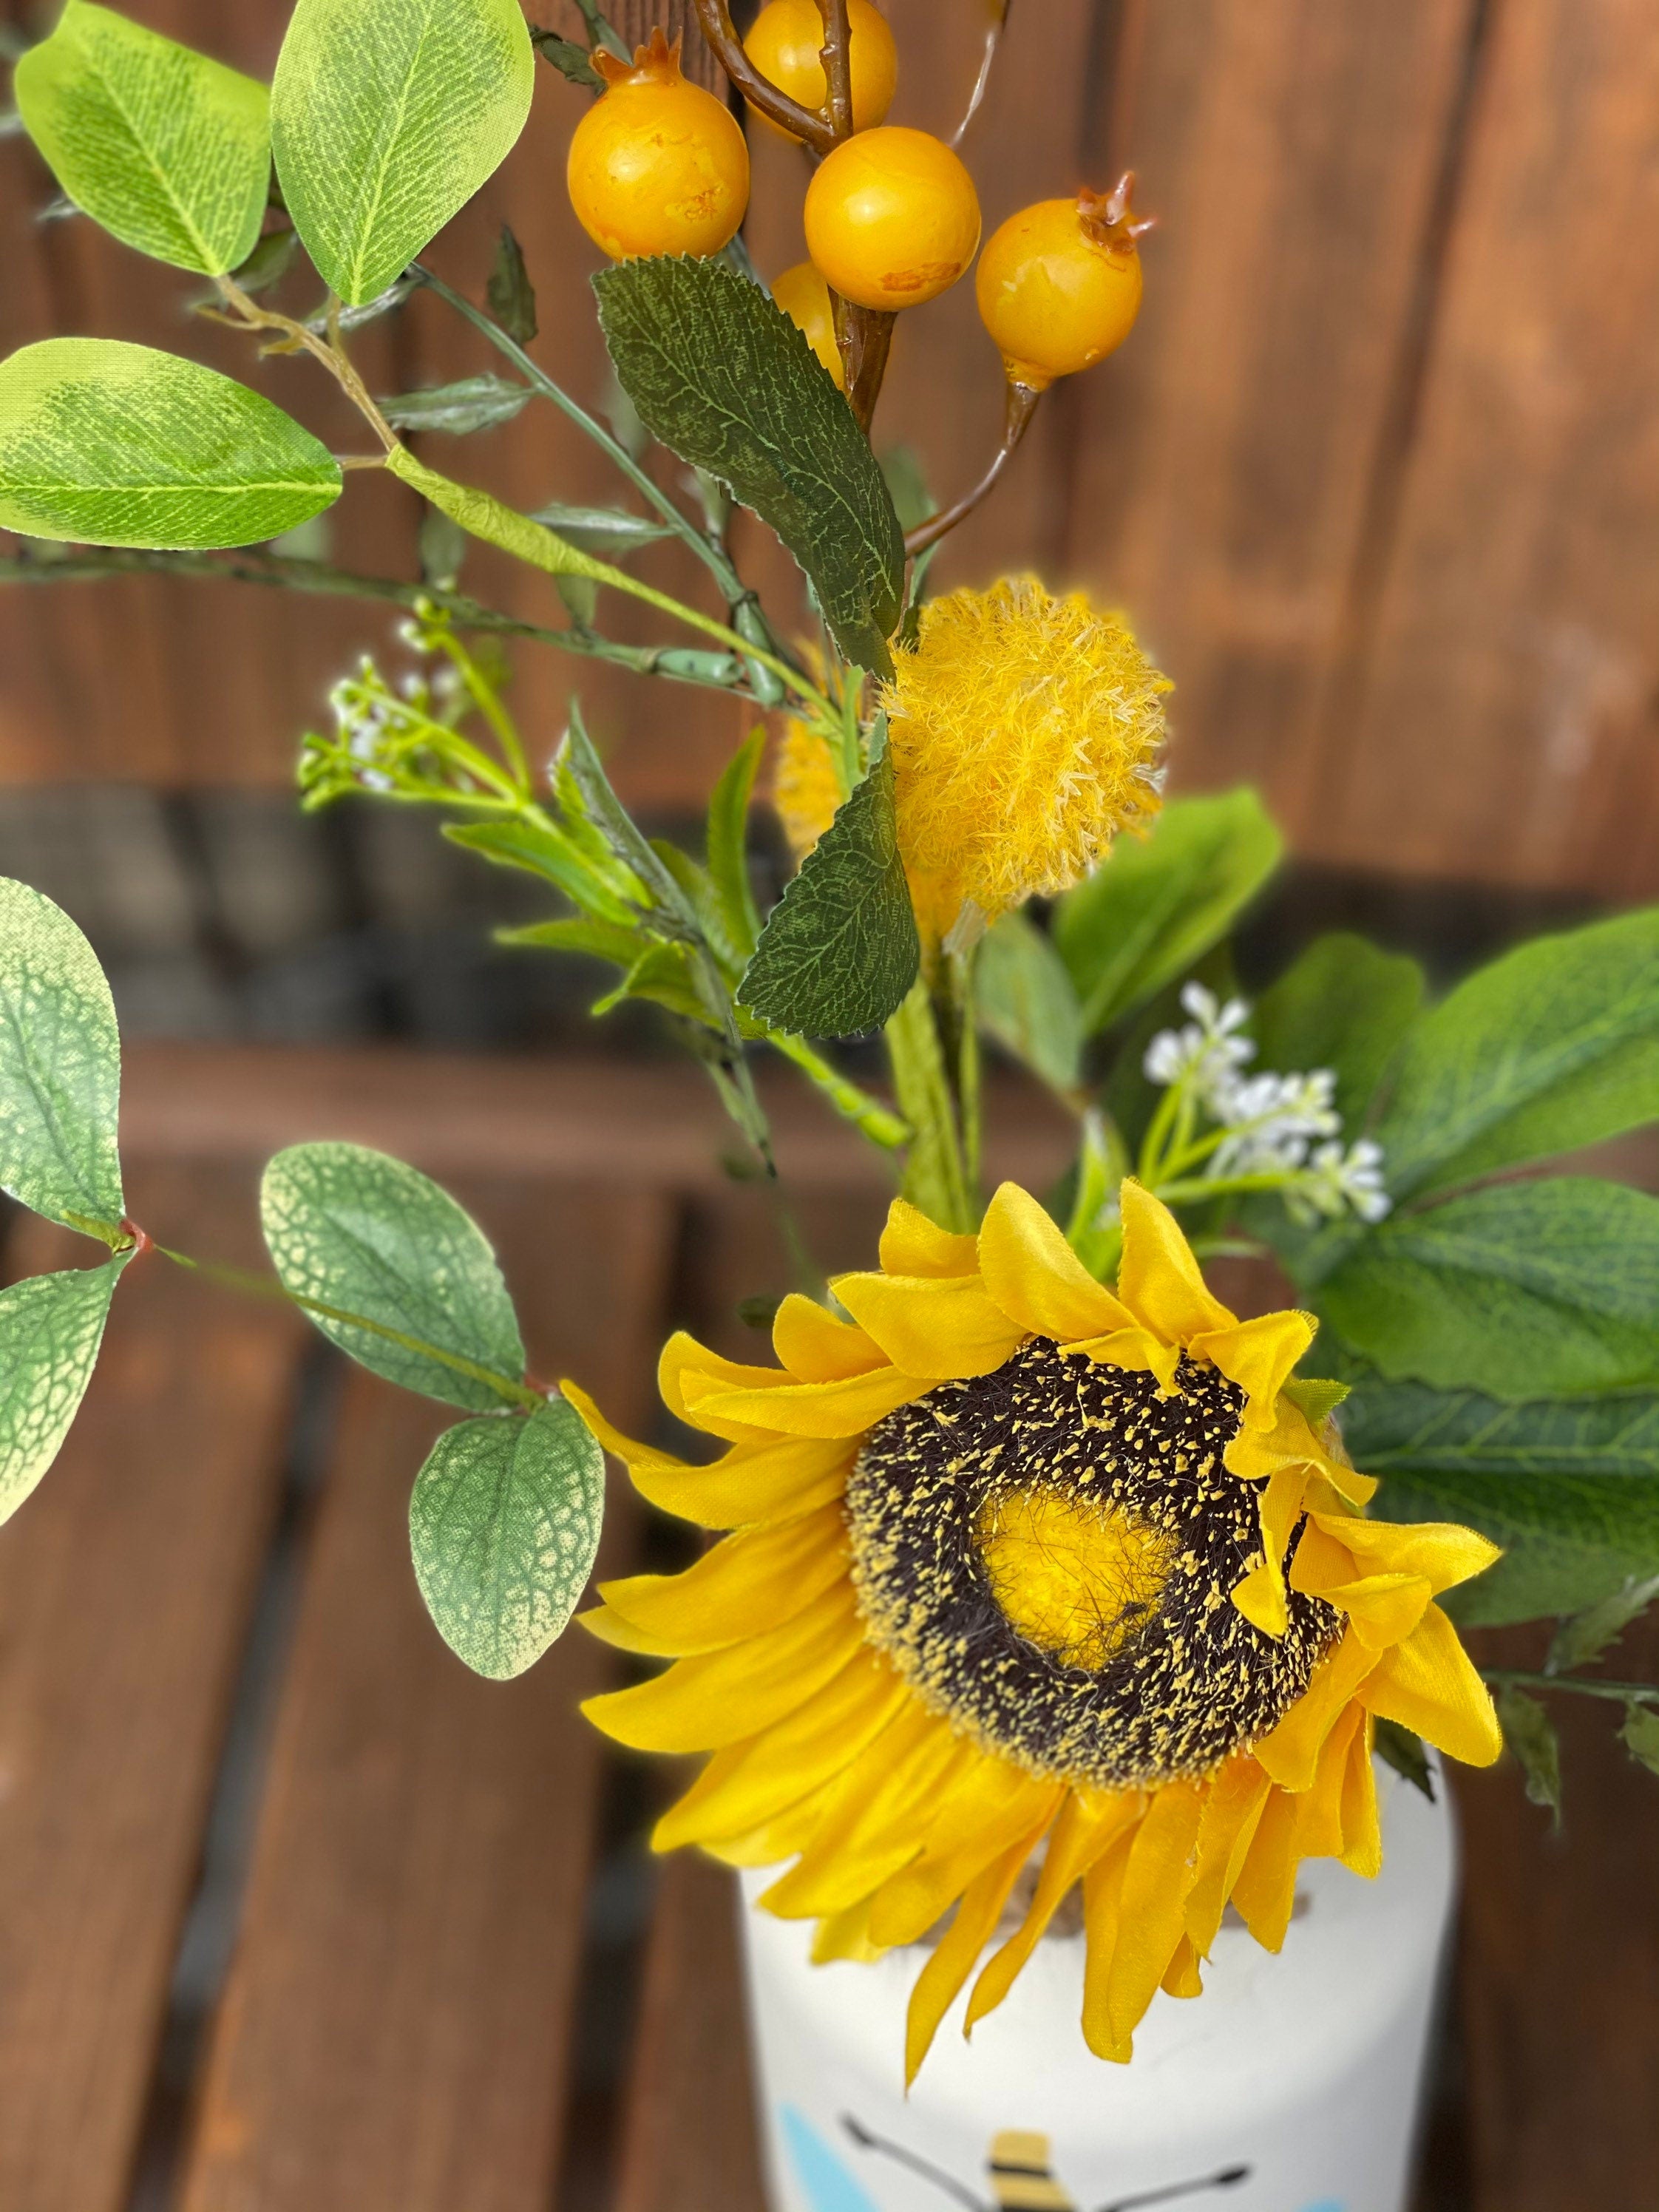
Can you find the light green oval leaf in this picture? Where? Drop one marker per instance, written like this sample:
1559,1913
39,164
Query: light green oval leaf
477,403
60,1068
386,116
105,443
169,150
1150,910
354,1230
50,1328
1026,1001
1552,1047
503,1523
1523,1290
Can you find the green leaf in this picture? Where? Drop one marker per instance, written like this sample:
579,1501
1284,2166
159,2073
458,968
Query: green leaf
591,881
386,116
1552,1047
509,295
610,531
720,373
1026,1001
728,847
1640,1735
1531,1735
1316,1400
1522,1290
662,973
840,950
1344,1004
105,443
169,151
503,1524
1399,1748
475,403
1152,910
568,59
60,1068
352,1229
582,782
600,940
1586,1635
50,1328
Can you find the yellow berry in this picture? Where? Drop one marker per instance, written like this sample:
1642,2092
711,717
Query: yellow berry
1059,285
805,298
892,218
786,46
657,165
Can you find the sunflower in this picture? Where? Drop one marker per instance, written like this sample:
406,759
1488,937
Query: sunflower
1020,1569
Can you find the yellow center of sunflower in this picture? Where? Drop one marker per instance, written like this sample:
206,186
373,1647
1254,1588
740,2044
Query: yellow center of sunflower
1074,1576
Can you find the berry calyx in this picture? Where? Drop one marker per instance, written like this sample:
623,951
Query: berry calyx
785,43
892,218
1059,284
804,296
658,165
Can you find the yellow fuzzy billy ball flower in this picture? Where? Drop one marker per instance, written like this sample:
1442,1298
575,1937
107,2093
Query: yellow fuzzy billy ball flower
1018,1565
1026,732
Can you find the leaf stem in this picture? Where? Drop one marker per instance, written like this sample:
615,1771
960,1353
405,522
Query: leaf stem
935,1179
815,130
867,1114
1020,406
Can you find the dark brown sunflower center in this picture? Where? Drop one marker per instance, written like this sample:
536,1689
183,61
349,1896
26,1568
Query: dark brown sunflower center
1047,1554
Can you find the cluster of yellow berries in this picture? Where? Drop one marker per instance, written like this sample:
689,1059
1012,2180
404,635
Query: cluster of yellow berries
892,219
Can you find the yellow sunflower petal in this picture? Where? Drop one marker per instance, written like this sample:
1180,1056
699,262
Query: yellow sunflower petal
990,1808
1256,1455
1264,1894
1102,1890
1087,1826
754,1781
1231,1811
1290,1753
751,1581
1319,1834
846,1408
688,1372
1441,1551
1157,1279
700,1704
1184,1977
1156,1881
771,1842
1362,1831
1259,1356
1260,1596
912,1245
1135,1348
1036,1279
816,1347
1430,1683
940,1328
953,1957
847,1936
1384,1609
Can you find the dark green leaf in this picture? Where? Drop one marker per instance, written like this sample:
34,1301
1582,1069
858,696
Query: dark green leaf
759,1312
477,403
503,1525
1026,1001
50,1328
60,1068
610,531
1531,1735
354,1230
1152,910
728,847
582,783
1521,1290
1345,1006
1398,1749
840,950
1586,1635
568,59
509,295
1640,1734
720,373
1552,1047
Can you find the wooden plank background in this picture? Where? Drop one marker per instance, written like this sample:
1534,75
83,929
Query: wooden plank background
1378,475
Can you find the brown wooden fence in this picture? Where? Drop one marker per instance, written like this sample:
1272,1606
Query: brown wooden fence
1378,475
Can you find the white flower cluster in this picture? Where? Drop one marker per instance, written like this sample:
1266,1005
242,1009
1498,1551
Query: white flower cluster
365,713
1272,1123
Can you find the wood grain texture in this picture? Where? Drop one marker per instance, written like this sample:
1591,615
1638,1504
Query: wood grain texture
399,2011
125,1587
689,2144
1508,714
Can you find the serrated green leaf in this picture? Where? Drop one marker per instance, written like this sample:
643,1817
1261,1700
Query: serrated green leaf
503,1524
1552,1047
840,950
509,295
1586,1635
568,59
719,373
1316,1400
169,150
1521,1290
728,847
1531,1735
1026,1002
1150,910
386,116
1399,1748
60,1068
354,1230
1344,1004
1640,1735
50,1328
475,403
105,443
610,531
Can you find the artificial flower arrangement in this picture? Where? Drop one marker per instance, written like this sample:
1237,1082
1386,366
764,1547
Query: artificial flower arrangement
1032,1554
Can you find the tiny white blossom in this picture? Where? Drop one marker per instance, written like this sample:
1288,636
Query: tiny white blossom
1208,1051
1335,1181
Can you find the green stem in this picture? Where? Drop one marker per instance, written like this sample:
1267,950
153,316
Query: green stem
1151,1145
266,1286
959,968
1622,1693
1173,1193
934,1177
867,1114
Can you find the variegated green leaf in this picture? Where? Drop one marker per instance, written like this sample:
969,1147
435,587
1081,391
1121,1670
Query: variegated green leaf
50,1328
60,1068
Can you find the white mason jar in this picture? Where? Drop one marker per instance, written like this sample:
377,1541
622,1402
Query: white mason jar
1291,2085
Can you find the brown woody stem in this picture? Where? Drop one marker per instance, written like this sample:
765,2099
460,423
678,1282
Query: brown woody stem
1022,406
814,131
863,334
836,55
